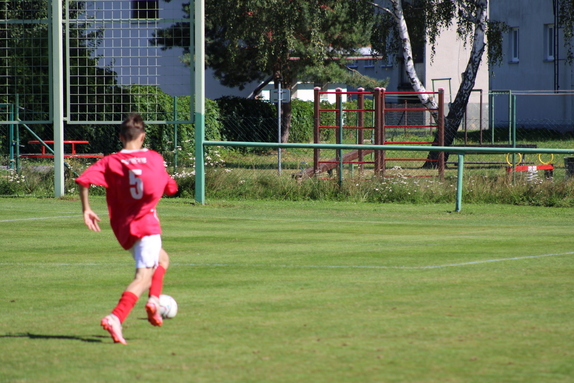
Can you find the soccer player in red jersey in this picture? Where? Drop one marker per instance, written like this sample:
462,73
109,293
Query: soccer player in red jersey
135,179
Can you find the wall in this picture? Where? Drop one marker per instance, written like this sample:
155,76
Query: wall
533,73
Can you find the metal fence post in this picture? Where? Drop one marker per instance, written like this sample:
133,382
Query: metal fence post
11,138
460,173
58,96
175,127
199,101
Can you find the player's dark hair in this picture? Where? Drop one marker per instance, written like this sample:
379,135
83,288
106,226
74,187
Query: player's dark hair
132,127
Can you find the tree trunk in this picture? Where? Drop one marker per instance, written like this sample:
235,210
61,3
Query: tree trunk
286,108
286,115
458,106
428,101
257,91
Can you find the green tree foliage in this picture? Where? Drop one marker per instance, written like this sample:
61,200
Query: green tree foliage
247,120
249,40
155,105
25,67
287,40
25,75
24,63
565,12
427,19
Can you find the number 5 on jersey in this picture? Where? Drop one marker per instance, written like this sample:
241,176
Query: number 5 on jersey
136,184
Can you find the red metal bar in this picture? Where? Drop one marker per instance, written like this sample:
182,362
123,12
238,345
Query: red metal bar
382,133
345,162
65,142
355,92
380,109
410,126
346,127
317,128
407,143
73,143
83,155
338,102
440,127
378,128
410,159
409,109
360,122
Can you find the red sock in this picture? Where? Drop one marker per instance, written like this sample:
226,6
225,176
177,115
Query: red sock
157,282
125,305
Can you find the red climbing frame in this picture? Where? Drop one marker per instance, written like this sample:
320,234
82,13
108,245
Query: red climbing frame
380,109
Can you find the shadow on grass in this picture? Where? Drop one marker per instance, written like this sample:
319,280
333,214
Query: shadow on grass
92,339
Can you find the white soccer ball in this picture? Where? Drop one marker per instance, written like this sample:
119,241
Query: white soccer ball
167,306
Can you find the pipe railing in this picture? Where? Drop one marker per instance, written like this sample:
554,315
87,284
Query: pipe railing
459,151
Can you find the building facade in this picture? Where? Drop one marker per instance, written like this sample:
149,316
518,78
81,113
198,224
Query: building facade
534,67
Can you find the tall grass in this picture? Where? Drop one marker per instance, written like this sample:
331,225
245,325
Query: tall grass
222,184
226,183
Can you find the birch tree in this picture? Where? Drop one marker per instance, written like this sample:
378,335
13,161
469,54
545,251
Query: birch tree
430,18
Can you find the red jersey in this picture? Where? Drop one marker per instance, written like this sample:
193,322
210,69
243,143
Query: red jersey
135,180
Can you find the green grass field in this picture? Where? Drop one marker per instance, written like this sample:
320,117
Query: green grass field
295,292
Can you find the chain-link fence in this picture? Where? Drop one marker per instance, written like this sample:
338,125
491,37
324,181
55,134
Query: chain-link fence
477,129
112,66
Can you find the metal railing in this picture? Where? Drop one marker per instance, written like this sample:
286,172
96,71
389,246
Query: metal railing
459,151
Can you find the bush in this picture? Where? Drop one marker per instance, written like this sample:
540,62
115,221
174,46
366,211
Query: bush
247,120
302,121
154,105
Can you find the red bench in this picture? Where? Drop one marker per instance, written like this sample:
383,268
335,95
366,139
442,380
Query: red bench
73,154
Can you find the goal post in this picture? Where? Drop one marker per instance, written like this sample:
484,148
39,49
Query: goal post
57,95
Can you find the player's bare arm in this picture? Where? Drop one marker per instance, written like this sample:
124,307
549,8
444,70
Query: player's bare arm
91,219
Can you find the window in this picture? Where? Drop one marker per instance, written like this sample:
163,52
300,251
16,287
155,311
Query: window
387,61
145,9
514,45
549,42
369,63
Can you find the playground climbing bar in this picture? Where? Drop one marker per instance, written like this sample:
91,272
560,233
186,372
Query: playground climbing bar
424,118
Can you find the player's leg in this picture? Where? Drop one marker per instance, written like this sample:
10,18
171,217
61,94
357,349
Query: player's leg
130,296
157,279
163,259
141,282
113,322
146,254
153,306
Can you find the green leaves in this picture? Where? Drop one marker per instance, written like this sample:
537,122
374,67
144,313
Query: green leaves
427,19
249,40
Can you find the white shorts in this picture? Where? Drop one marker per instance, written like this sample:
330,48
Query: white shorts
146,251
